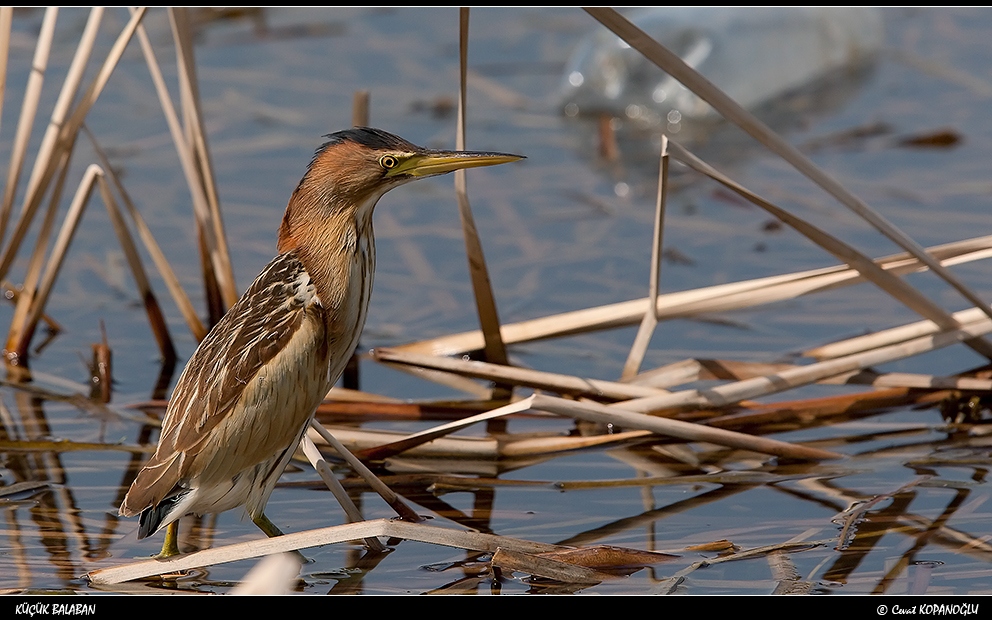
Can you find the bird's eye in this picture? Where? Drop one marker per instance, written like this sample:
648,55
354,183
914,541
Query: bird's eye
388,162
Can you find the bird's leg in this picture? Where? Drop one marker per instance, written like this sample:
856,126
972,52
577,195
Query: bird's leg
171,545
271,530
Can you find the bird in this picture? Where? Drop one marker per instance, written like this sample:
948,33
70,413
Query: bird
249,391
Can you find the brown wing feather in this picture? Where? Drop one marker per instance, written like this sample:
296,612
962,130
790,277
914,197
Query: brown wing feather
252,332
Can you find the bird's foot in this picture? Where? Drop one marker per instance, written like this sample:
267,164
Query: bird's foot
170,547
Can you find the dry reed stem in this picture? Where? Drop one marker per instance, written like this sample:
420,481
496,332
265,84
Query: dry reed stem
714,369
431,434
541,446
690,370
68,93
316,459
197,141
29,108
57,256
198,192
460,539
608,148
621,416
179,295
101,369
340,394
379,445
6,23
650,320
732,111
63,143
677,373
793,377
810,410
485,302
752,478
731,393
67,445
563,384
342,410
360,108
351,511
22,487
911,380
870,270
13,293
359,118
156,320
394,501
17,331
718,298
96,87
890,336
468,386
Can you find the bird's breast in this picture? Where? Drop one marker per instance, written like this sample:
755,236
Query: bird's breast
343,292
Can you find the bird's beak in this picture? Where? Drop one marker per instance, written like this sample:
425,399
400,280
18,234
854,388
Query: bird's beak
439,162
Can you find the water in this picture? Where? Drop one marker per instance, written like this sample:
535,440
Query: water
562,230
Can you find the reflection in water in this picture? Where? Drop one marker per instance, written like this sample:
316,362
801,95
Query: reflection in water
654,515
52,512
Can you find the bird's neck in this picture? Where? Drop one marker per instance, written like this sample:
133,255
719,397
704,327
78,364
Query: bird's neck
332,242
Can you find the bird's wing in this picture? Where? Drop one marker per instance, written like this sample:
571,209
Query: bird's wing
252,332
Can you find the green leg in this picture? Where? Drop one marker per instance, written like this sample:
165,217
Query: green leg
171,545
271,530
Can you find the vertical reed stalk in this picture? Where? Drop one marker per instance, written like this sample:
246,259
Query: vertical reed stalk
70,88
6,23
66,140
155,318
337,489
16,331
69,226
650,321
215,239
495,350
360,109
29,108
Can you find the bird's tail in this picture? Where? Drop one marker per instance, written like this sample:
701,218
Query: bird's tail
154,517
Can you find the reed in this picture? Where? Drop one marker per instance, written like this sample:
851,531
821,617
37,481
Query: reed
485,301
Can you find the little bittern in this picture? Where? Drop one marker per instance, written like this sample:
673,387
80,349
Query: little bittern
250,389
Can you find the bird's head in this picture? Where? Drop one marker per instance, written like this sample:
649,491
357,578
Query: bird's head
355,167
